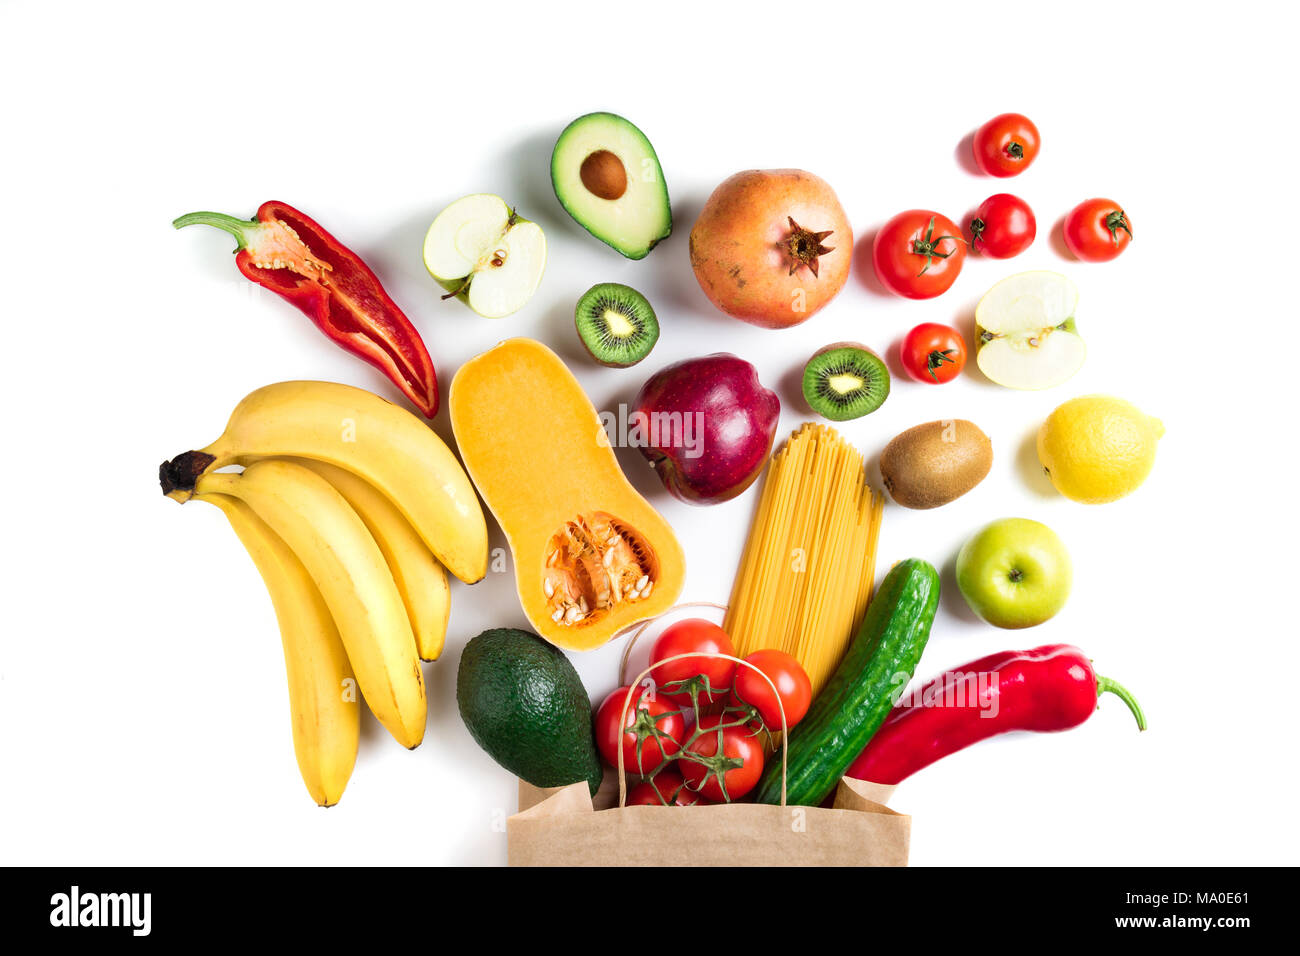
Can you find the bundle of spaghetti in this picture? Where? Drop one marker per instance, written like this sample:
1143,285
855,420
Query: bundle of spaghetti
809,564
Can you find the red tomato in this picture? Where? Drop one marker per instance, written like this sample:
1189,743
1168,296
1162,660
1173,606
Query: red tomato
654,729
737,767
693,636
933,353
792,687
1097,230
1004,226
667,788
1006,145
918,254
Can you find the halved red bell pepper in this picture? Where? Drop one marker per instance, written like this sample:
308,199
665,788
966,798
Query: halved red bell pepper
289,253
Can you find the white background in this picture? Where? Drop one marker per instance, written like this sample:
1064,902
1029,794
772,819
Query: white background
143,714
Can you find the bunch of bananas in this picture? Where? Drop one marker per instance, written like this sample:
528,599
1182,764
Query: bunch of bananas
351,508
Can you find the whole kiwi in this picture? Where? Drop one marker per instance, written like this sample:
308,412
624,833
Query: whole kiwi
935,463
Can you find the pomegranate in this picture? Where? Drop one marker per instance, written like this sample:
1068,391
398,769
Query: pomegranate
772,246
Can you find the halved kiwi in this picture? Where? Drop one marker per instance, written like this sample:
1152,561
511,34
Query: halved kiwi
845,380
616,324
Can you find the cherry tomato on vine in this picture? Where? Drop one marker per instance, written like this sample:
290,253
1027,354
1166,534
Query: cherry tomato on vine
918,254
933,353
1006,145
1097,230
693,636
736,768
1004,226
793,688
667,784
654,729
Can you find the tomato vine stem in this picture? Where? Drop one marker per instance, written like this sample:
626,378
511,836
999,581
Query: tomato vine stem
717,765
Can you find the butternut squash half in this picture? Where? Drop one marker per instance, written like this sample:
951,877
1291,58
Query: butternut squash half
591,555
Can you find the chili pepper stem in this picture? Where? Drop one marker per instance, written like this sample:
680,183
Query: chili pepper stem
239,228
1106,685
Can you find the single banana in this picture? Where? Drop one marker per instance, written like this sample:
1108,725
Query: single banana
353,429
322,690
421,580
337,550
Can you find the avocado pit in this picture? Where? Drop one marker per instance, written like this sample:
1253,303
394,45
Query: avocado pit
604,175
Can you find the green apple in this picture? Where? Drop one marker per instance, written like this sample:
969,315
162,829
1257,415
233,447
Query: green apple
1014,573
1025,336
485,254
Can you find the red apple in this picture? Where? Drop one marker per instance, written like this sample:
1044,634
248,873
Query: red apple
706,425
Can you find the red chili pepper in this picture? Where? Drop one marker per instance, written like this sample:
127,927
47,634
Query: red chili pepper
288,253
1046,689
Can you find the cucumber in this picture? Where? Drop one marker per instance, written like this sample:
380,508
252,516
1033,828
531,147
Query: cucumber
851,708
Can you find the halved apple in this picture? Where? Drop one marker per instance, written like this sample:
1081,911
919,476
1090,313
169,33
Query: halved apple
1024,331
485,254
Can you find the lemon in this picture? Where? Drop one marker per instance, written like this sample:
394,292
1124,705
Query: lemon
1097,448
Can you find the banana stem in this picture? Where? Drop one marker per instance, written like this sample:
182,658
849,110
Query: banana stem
180,474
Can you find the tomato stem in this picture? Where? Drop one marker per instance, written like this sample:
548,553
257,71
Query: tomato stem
732,715
936,359
927,247
646,725
1115,221
716,765
1015,150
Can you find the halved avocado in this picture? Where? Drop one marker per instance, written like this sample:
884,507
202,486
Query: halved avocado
608,178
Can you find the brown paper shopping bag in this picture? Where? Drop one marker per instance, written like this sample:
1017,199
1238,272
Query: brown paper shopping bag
565,829
566,826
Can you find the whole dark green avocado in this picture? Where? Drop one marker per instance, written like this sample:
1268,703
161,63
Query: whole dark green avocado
526,707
